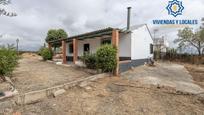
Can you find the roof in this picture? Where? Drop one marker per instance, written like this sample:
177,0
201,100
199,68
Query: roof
93,34
100,32
97,33
134,27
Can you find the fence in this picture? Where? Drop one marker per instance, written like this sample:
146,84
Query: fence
174,56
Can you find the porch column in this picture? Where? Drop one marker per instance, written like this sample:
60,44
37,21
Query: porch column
75,50
64,57
115,42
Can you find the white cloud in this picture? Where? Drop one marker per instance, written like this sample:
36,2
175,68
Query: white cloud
36,17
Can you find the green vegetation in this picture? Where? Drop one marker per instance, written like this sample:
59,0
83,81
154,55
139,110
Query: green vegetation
8,60
55,34
189,38
45,53
90,61
104,59
40,50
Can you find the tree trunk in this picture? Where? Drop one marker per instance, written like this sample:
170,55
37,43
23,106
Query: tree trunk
54,50
199,48
199,52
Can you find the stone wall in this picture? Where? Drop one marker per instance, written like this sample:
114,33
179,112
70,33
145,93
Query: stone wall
36,96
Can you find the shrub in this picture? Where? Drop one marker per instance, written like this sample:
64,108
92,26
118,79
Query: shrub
90,61
40,50
46,54
106,58
8,60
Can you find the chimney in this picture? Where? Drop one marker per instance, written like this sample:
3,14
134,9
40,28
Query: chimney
128,18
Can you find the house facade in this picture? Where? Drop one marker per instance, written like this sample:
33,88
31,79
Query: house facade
134,45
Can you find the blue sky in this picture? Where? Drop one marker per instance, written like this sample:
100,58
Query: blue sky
36,17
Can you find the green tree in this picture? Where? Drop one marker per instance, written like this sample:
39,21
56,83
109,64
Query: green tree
201,35
3,11
189,38
55,34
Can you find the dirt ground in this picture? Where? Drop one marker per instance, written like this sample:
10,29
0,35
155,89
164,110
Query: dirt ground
197,71
33,74
4,86
113,96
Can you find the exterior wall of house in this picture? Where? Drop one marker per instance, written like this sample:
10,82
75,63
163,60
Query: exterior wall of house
133,63
93,45
140,43
140,48
125,46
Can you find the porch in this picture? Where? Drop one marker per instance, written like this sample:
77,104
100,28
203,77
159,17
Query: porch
76,46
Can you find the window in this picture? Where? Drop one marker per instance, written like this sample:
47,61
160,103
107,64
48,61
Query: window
86,48
151,48
70,48
106,41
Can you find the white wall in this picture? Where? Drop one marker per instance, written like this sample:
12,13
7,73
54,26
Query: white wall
93,44
135,45
140,43
125,45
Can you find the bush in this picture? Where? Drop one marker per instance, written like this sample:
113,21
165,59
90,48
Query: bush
46,53
106,58
90,61
8,60
40,51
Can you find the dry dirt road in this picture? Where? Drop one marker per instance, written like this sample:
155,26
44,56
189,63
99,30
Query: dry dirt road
33,74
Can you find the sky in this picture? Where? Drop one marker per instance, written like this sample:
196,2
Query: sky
36,17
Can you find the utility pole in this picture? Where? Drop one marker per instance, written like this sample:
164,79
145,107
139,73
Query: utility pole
17,41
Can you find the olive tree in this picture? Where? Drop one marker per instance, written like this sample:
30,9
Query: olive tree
189,38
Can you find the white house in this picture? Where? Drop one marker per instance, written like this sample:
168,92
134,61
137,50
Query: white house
134,45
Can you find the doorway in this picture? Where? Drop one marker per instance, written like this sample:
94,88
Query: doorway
86,48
